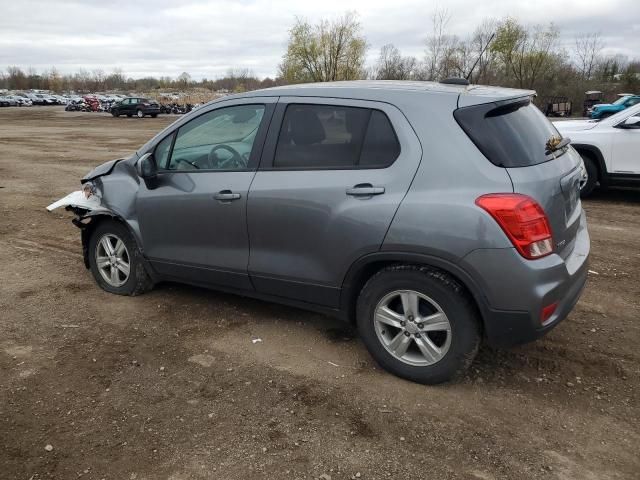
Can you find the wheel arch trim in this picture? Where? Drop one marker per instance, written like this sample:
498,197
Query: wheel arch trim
597,154
95,217
354,277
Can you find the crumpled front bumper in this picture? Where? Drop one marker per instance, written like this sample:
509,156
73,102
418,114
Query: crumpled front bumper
78,199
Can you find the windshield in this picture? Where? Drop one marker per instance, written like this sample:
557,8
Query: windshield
620,116
620,101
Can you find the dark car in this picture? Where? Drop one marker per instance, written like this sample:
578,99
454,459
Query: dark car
136,106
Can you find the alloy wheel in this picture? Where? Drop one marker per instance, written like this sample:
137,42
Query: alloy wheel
412,327
112,259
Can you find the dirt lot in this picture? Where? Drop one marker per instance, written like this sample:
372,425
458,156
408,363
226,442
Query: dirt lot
169,385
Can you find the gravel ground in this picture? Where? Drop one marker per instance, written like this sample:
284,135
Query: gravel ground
170,385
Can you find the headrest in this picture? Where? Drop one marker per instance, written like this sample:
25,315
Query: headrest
305,127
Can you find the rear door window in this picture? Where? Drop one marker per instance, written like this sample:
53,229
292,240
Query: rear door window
335,137
511,134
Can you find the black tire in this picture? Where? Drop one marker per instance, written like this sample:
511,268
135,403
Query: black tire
592,176
455,302
115,113
138,281
139,113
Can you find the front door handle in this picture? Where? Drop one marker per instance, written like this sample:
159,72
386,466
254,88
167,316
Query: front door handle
226,196
364,190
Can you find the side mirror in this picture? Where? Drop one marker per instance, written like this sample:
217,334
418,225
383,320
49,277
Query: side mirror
148,170
631,122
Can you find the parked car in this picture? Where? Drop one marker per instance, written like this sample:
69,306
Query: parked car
430,232
4,102
12,102
136,106
603,110
21,101
608,147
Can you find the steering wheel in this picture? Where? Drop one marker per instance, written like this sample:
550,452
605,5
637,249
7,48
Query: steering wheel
236,160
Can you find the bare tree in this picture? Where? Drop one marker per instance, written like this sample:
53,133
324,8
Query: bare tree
484,71
587,53
439,45
184,79
392,65
329,50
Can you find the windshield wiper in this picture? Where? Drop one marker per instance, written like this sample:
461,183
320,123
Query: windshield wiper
556,143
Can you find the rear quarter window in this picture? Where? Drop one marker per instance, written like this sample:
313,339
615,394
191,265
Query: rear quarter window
511,134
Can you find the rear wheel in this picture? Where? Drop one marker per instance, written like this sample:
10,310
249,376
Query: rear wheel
115,260
115,113
589,176
418,323
140,113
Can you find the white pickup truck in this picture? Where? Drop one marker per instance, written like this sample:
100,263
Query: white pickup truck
609,147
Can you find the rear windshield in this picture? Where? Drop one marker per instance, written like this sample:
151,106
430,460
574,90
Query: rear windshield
513,134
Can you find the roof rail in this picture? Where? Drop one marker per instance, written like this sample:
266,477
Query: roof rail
455,81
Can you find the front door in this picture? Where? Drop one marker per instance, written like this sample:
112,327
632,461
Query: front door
332,176
626,149
193,225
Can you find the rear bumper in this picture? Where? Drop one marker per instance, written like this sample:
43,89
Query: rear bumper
516,290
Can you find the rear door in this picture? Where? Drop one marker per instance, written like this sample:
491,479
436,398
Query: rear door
516,135
331,178
126,106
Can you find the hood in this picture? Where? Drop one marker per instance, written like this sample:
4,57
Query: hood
100,170
574,125
600,105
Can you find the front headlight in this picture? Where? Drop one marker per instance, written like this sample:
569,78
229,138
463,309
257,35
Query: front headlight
89,190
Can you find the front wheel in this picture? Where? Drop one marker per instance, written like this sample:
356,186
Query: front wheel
418,323
115,260
140,114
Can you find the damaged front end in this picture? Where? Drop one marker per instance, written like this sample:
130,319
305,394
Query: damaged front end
87,204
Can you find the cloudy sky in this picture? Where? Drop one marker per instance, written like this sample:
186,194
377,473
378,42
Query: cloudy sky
207,37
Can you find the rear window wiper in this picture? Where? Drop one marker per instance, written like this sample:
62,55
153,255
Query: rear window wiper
556,143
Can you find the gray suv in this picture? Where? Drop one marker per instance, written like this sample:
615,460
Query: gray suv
430,215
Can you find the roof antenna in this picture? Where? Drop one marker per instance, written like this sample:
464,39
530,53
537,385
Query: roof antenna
480,56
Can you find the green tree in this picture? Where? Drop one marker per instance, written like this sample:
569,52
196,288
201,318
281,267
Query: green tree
526,54
330,50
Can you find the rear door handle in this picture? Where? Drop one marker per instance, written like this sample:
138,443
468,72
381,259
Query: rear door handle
364,190
226,196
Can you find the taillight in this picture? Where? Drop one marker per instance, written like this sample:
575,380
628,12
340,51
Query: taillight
547,311
523,220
